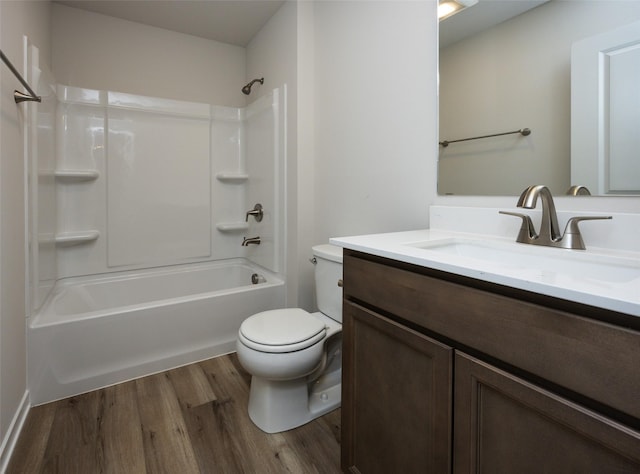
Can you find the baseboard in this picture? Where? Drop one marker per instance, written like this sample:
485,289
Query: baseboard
11,438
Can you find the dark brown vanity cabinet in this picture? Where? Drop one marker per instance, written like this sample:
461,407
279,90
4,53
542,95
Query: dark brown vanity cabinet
446,374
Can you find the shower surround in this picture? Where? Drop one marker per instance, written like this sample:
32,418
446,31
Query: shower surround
146,187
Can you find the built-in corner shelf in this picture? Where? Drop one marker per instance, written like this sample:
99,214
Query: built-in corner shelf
67,239
234,177
74,176
232,226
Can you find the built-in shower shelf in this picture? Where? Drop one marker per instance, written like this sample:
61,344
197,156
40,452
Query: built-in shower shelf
232,226
232,177
76,175
67,239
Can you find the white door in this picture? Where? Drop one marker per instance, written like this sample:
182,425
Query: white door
605,112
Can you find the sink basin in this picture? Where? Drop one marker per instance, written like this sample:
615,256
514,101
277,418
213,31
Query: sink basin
534,261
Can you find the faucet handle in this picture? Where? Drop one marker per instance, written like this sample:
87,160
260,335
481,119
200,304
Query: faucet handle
578,190
572,239
256,212
527,232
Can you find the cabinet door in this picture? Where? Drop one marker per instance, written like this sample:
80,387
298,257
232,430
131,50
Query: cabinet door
396,405
504,424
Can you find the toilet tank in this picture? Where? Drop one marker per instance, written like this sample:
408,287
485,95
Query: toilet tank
328,271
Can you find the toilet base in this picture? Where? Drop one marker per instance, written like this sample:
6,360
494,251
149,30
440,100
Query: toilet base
276,406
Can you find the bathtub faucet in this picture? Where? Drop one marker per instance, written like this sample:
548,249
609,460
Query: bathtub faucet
251,240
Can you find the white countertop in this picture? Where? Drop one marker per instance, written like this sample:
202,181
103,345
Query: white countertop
617,291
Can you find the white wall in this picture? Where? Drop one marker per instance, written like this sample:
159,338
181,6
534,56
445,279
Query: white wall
100,52
302,229
363,130
17,18
375,116
273,54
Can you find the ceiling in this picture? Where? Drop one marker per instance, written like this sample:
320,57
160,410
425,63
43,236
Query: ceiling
228,21
481,16
237,21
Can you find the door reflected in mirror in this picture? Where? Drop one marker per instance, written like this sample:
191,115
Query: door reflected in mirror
510,76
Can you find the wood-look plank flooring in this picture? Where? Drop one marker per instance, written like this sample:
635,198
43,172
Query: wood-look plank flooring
188,420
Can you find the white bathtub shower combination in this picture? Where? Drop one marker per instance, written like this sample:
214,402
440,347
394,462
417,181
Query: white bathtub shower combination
151,196
99,330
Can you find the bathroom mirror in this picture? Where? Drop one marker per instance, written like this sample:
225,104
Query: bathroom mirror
511,75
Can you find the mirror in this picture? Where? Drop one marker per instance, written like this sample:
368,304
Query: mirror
511,75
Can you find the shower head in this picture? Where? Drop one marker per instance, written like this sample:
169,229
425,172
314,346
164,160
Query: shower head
247,89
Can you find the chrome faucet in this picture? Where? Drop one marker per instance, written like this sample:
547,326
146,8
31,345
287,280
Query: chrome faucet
549,235
251,240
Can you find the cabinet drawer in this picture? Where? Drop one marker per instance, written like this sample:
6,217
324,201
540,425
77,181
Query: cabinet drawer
595,359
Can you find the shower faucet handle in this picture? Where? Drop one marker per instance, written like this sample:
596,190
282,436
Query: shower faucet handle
256,212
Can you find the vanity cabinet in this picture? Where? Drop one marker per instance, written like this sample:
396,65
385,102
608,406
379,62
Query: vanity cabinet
443,373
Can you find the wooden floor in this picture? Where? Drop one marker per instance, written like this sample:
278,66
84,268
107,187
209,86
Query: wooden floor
188,420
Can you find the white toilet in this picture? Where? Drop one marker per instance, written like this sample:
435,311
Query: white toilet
295,357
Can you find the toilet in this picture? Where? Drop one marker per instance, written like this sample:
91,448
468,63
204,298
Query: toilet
295,357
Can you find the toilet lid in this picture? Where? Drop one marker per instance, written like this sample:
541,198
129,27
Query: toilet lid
282,327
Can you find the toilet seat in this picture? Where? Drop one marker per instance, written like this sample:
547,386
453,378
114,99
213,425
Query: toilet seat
281,330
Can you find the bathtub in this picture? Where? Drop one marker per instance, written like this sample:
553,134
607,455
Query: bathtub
96,331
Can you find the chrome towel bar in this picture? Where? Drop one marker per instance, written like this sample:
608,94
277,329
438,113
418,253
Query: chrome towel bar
523,131
17,95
